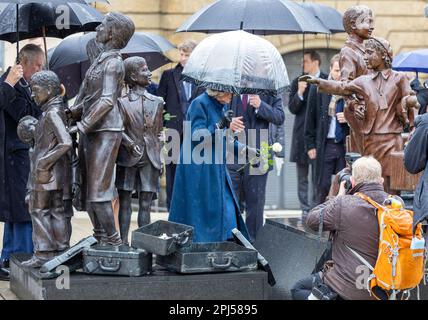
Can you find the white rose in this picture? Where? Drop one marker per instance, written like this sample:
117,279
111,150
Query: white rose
276,147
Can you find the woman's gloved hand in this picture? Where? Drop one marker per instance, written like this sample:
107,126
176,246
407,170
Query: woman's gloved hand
226,120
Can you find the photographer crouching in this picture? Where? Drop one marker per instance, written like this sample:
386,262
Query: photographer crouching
353,223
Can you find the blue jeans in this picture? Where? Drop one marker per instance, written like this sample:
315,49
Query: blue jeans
17,237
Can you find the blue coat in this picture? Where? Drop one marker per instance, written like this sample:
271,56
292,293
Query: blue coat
203,195
15,103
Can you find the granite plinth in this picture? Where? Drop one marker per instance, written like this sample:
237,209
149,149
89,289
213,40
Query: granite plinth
160,285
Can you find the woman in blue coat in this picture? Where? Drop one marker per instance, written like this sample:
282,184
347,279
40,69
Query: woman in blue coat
203,195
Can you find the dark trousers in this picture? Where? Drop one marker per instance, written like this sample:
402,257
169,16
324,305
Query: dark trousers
170,176
251,191
303,288
333,162
303,186
17,237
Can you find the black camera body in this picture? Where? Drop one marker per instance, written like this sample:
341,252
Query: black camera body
322,292
345,174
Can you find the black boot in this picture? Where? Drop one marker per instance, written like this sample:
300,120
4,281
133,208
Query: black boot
4,270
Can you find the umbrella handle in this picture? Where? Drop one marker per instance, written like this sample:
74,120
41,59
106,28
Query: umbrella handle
17,33
46,47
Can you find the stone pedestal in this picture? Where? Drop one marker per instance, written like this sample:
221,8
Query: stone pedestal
160,285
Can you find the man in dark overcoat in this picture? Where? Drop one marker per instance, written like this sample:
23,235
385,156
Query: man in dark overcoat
325,134
297,105
15,103
257,113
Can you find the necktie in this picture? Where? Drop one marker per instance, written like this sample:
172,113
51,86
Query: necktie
188,90
244,102
338,132
383,104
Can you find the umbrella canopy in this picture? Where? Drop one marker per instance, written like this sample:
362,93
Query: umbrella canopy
42,1
329,17
70,59
416,61
40,19
237,62
263,17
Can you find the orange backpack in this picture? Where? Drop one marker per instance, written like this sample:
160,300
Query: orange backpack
400,264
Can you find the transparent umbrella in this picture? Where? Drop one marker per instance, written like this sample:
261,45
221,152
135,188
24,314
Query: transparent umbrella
237,62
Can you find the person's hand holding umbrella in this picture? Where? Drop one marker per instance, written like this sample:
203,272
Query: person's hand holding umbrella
254,100
16,72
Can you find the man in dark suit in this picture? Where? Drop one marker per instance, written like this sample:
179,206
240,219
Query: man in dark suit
178,95
250,185
15,103
297,106
325,134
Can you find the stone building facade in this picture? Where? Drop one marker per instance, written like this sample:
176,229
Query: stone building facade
402,22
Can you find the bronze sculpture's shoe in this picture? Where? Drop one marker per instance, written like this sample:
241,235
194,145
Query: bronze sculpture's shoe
34,262
101,236
39,258
114,239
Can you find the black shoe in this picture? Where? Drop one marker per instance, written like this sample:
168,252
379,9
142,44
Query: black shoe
4,274
4,263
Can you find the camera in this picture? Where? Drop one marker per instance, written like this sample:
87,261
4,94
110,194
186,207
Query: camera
345,174
322,292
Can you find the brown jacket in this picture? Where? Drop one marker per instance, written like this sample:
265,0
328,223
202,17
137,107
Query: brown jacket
354,223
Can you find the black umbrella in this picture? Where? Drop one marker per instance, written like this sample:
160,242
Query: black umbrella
263,17
329,16
70,60
95,1
24,19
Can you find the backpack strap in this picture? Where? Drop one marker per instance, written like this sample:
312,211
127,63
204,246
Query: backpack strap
369,200
364,261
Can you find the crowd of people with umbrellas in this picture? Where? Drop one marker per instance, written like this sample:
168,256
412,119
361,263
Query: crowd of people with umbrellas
253,74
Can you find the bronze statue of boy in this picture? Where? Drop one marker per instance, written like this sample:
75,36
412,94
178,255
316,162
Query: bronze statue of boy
388,98
358,23
100,124
51,232
139,163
